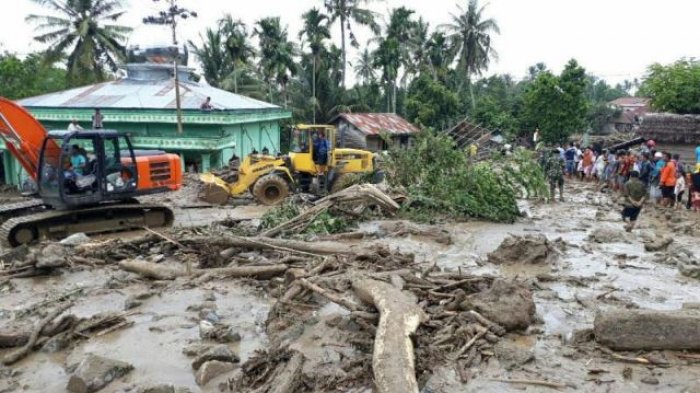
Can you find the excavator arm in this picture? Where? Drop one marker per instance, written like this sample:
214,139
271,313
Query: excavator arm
23,135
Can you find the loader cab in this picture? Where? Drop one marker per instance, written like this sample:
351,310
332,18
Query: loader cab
85,168
302,152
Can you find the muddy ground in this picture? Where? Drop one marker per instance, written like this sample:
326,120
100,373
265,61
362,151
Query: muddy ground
591,266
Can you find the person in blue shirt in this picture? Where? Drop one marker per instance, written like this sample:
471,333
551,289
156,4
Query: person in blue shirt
697,154
77,161
570,157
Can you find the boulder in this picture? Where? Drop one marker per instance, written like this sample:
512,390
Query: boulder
507,303
51,256
221,353
96,372
524,249
607,234
75,239
658,244
512,354
212,369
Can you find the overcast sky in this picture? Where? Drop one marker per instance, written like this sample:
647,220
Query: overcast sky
614,39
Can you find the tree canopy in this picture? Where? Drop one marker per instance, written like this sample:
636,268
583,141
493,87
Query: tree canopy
675,87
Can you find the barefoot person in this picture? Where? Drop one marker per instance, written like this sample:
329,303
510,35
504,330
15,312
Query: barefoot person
635,194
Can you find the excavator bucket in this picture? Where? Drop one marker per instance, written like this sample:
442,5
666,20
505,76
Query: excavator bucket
213,189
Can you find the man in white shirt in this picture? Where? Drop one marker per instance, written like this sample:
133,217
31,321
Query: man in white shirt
74,126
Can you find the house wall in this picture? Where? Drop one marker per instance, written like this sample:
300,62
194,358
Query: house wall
349,136
203,144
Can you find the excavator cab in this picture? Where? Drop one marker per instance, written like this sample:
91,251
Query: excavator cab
86,167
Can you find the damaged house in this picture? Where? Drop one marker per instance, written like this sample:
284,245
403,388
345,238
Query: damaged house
366,130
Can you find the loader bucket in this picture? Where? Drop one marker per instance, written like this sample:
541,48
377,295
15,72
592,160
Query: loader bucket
213,189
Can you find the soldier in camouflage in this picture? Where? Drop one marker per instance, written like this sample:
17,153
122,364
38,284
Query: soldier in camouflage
554,171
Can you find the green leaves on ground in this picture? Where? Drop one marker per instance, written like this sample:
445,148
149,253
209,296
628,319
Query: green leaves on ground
441,181
325,223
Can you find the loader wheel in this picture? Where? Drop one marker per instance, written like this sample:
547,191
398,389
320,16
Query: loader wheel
270,190
344,181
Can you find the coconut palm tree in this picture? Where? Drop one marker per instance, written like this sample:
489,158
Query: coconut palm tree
239,49
470,35
276,54
364,69
213,57
85,31
314,33
347,12
439,54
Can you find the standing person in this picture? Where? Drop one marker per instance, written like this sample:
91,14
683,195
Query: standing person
578,159
635,195
321,149
667,180
645,169
697,154
679,189
97,120
570,159
536,137
588,163
623,169
694,189
554,170
655,181
74,126
599,165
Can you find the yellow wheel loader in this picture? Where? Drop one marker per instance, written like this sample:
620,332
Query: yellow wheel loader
271,179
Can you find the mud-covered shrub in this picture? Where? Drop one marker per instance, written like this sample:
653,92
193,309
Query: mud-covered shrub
442,181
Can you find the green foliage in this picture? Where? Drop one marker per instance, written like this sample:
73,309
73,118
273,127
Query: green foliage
524,174
602,114
86,32
429,102
557,105
441,181
675,87
29,77
325,223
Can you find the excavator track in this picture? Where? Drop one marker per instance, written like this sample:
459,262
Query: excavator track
10,210
58,224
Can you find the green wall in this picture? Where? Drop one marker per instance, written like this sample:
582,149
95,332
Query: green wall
208,138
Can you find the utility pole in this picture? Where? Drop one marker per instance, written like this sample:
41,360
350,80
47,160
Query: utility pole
169,17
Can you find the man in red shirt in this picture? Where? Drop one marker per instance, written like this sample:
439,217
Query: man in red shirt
668,181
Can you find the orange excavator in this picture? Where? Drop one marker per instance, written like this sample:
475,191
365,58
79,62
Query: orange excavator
86,181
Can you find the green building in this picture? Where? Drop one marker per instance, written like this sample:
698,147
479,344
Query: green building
143,105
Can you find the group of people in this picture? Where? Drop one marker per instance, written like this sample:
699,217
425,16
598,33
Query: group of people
97,122
639,175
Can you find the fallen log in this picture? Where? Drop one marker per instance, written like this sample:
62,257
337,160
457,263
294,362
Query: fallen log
393,360
260,272
328,295
20,353
646,329
151,270
11,340
289,380
306,248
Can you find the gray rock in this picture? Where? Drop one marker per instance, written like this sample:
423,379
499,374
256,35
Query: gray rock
607,235
212,369
221,353
209,315
511,354
131,302
75,239
96,372
164,388
51,256
193,350
649,380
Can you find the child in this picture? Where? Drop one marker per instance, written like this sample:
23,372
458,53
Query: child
696,201
679,190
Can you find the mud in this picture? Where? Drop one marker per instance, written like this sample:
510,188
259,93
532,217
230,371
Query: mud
598,268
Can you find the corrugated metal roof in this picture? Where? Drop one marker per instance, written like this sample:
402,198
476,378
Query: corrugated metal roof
377,123
144,94
631,101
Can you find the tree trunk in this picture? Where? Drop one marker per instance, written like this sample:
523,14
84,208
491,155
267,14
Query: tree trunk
342,42
471,93
393,97
313,89
235,79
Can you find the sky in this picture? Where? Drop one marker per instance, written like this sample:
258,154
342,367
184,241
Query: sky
612,39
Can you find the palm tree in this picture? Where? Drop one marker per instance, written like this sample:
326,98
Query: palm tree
240,52
84,29
347,12
276,52
394,51
364,69
439,54
470,35
213,57
315,31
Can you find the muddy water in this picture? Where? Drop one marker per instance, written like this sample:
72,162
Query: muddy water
563,307
153,345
